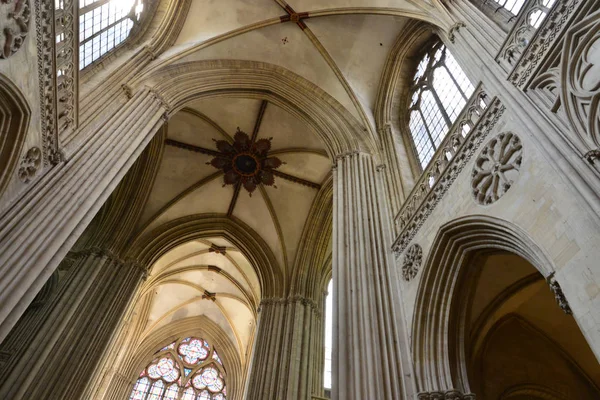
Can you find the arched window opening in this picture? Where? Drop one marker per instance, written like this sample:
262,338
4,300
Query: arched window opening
537,13
105,24
512,6
328,335
188,369
440,91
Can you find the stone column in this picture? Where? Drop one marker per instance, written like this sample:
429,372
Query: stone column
38,231
367,359
80,320
286,343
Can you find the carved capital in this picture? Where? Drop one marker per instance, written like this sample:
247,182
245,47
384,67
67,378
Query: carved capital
592,155
454,30
558,294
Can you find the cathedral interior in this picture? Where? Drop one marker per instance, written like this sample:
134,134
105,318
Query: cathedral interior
300,199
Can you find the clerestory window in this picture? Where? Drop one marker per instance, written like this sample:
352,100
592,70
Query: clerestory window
187,369
440,91
103,25
538,11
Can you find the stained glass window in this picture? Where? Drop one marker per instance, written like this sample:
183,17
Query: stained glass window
103,25
188,369
440,91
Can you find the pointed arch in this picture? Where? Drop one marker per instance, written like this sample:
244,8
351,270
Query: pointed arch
149,247
14,121
436,367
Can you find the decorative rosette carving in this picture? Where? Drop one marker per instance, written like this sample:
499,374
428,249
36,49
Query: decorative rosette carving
14,24
412,262
246,161
30,164
496,168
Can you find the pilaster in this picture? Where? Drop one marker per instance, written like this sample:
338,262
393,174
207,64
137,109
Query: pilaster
77,325
37,232
289,333
366,324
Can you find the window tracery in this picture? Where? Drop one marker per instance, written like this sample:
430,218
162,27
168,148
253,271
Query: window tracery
440,91
105,24
537,13
188,369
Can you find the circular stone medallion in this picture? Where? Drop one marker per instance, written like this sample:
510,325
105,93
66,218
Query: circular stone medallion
412,262
496,168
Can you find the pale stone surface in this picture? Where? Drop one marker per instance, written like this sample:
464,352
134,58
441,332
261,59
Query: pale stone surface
165,250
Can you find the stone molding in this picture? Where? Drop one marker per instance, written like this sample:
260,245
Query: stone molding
463,154
108,255
306,302
446,395
46,38
66,62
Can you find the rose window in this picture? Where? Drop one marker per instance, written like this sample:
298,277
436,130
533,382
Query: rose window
187,369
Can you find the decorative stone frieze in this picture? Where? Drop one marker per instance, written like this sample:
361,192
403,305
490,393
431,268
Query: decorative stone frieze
412,262
46,38
291,300
66,65
558,294
14,25
424,198
496,168
30,164
447,395
538,47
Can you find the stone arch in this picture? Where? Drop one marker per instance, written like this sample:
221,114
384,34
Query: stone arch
199,326
179,84
437,367
151,246
14,121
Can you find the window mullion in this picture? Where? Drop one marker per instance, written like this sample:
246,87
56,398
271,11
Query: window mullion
85,9
103,30
456,83
427,130
441,107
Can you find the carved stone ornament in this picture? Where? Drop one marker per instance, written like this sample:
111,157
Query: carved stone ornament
412,262
558,294
246,161
496,168
581,75
30,164
14,22
447,395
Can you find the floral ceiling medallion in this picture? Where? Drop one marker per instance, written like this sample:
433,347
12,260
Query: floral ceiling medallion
246,162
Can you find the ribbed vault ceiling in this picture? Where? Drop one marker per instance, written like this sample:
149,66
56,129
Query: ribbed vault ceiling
342,47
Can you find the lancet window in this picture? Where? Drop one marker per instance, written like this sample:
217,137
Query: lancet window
104,24
439,93
187,369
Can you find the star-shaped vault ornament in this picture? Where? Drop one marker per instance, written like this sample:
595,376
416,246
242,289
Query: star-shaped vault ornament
246,162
